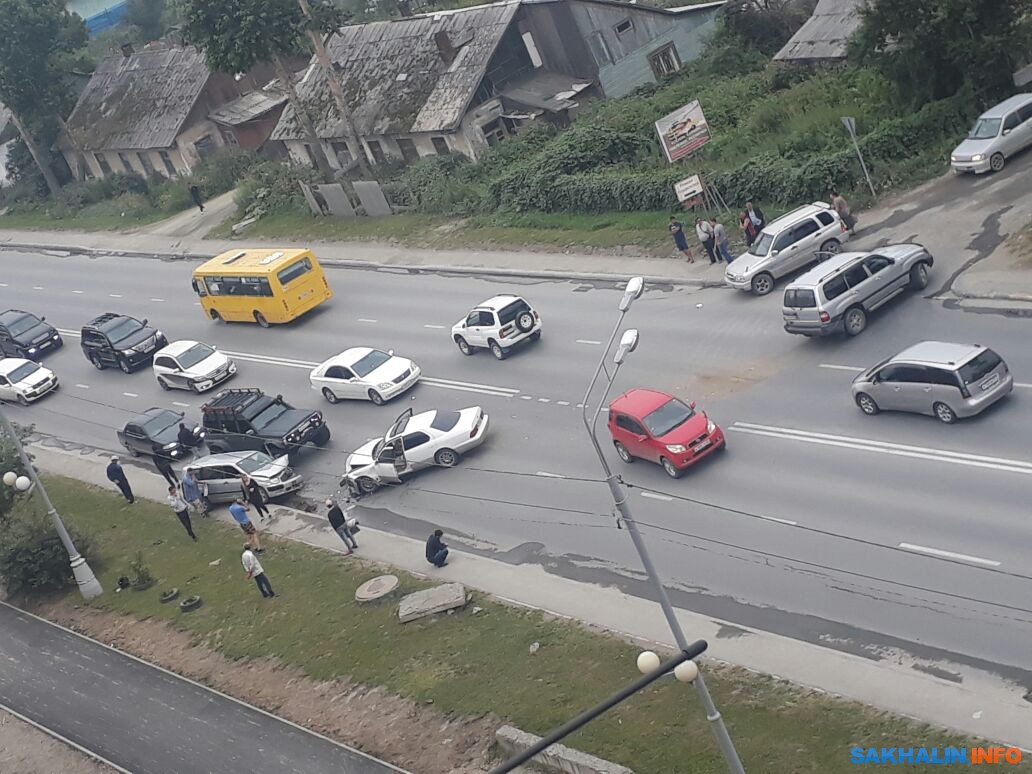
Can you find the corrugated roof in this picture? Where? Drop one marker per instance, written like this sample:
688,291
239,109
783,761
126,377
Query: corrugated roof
554,92
393,76
826,34
249,106
140,101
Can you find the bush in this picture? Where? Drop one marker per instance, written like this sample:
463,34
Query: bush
272,186
32,557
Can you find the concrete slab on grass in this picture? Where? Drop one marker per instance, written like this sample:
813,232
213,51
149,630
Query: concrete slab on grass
438,599
558,757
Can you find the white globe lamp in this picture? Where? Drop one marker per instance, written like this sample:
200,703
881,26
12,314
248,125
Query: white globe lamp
686,671
22,483
648,662
10,478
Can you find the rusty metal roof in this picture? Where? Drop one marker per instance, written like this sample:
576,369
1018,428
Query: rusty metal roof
140,101
250,106
394,78
826,34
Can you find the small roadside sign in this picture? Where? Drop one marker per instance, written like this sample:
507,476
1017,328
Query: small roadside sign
850,123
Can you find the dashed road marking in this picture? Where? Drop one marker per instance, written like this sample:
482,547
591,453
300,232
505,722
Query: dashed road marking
37,287
780,521
181,405
526,397
1023,385
543,400
833,366
83,386
546,474
114,295
588,341
3,284
158,300
562,403
365,320
130,395
78,292
436,327
657,496
949,554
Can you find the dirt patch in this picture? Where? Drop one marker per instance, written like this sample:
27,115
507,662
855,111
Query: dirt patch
27,750
398,730
1019,248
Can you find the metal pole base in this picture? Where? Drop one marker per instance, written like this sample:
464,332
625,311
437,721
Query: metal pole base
88,584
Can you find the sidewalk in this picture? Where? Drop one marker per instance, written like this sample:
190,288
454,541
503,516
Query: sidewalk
981,705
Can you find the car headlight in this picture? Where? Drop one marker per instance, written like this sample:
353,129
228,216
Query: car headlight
677,448
57,337
710,426
385,385
32,350
978,157
158,334
953,157
170,445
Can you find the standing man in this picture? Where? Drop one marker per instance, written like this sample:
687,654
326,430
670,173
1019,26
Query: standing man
195,194
195,492
164,466
755,216
339,522
239,512
704,231
838,201
436,549
254,569
116,475
181,509
676,229
253,495
720,237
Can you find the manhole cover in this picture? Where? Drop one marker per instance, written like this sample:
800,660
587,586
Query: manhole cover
376,588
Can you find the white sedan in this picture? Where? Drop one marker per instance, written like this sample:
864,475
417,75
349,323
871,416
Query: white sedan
191,365
414,442
364,373
24,380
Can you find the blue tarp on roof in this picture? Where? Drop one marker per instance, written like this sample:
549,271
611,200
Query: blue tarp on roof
99,14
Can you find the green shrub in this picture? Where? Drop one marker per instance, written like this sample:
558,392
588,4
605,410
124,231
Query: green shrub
272,186
32,557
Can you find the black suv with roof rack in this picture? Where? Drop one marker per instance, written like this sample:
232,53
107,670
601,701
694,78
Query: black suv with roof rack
246,419
120,341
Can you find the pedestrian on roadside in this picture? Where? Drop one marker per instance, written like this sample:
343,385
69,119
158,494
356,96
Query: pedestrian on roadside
749,228
838,201
253,495
116,475
754,219
720,237
239,511
195,492
254,569
195,194
676,229
704,231
181,509
436,549
339,521
164,466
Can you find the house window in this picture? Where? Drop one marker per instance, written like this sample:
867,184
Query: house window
622,28
342,152
170,168
125,163
532,49
496,131
102,162
145,162
376,150
205,146
310,154
440,145
665,61
228,137
408,150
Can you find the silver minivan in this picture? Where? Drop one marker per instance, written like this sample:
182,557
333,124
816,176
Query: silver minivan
998,134
943,380
221,473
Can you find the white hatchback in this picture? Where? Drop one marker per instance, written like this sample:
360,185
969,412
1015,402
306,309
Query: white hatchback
24,380
364,373
191,365
499,324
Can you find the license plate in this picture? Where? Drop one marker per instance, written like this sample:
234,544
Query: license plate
704,445
991,382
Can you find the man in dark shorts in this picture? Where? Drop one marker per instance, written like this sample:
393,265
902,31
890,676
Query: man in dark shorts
676,229
240,514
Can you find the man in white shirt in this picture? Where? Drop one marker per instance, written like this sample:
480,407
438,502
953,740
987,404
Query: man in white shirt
181,509
254,569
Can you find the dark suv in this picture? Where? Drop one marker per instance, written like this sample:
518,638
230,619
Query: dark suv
22,334
246,419
119,340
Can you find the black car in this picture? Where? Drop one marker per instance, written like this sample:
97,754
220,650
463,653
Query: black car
156,431
22,334
119,340
248,419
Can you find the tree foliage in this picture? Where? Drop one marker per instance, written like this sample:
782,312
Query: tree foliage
32,556
238,34
932,48
147,16
766,25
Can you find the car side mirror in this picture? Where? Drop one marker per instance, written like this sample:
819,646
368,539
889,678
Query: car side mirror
1006,132
641,438
390,352
692,405
144,321
43,318
774,252
250,432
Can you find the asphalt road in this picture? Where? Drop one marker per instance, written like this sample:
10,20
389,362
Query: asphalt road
99,698
882,536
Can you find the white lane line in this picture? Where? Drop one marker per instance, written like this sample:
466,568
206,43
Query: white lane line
543,400
130,395
855,369
196,303
36,287
546,474
365,320
883,447
83,386
181,405
1023,385
78,292
114,295
657,496
3,284
441,382
780,521
949,554
436,327
158,300
526,397
67,332
562,403
588,341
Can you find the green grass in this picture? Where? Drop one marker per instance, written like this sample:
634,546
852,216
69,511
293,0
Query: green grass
102,216
468,664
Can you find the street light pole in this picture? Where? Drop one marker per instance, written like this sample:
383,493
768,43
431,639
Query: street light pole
633,291
88,584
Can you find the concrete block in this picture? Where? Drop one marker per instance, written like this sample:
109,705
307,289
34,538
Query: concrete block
558,757
371,196
438,599
378,588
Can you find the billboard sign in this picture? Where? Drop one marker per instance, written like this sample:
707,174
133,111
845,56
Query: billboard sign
683,132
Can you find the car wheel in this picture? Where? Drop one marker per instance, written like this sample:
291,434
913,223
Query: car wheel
367,485
464,346
447,458
996,162
496,350
855,321
668,466
216,316
919,276
867,404
163,384
23,400
260,319
622,451
524,321
944,413
831,246
124,365
97,362
330,395
376,398
762,284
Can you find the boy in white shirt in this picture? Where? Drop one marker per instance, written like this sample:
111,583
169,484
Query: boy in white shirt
254,569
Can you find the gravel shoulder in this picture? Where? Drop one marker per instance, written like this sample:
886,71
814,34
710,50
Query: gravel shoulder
27,750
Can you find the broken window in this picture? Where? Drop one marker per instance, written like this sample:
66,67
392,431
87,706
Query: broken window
665,61
145,162
342,152
377,152
440,145
126,166
170,168
102,162
408,150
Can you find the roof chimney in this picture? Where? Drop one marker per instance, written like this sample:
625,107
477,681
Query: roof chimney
444,46
127,50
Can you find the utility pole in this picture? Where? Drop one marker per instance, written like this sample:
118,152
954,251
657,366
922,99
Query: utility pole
308,128
36,152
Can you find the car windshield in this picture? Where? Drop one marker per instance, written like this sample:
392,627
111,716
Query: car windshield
195,355
762,245
268,414
253,462
160,422
23,371
985,129
123,328
668,417
370,362
19,325
978,366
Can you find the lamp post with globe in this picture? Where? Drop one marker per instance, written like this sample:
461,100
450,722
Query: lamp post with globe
88,584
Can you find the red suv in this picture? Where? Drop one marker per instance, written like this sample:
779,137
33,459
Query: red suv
660,428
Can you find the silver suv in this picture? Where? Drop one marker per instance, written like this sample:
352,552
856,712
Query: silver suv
498,324
785,245
947,381
220,473
838,294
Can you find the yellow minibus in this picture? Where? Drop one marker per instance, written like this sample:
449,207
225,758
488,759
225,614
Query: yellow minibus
262,286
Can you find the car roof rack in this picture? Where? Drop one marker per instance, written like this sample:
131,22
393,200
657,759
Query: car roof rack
103,318
232,400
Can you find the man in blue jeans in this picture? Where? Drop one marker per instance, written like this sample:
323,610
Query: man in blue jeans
436,550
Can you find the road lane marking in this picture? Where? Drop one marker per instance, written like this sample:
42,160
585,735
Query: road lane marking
36,287
436,327
779,521
181,405
526,397
855,369
949,554
657,496
546,474
543,400
3,284
115,295
1024,385
884,447
588,341
158,300
78,292
562,403
83,386
130,395
365,320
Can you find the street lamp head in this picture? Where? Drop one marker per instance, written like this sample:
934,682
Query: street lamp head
628,343
10,477
686,671
635,287
648,662
23,483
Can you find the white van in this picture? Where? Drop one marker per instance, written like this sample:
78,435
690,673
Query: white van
998,134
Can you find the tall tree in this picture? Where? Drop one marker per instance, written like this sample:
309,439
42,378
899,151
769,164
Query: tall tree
933,47
38,45
235,35
147,16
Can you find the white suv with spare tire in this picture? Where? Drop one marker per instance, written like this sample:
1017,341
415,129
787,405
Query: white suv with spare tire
499,324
